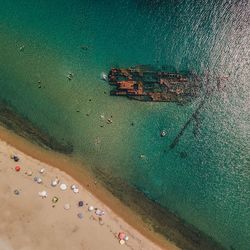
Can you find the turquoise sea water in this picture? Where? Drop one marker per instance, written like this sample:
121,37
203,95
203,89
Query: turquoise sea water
210,187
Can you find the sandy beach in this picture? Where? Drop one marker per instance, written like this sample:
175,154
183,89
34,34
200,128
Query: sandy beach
57,221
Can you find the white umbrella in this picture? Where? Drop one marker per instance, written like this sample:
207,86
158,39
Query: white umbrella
99,212
63,186
54,182
39,180
91,208
42,170
43,194
122,242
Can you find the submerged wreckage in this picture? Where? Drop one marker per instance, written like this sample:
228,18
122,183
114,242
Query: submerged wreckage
144,83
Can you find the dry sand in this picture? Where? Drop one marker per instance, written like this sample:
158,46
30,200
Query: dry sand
29,222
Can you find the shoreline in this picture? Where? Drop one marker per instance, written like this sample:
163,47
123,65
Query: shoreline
159,225
82,176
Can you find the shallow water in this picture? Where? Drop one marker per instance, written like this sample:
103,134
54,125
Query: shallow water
205,178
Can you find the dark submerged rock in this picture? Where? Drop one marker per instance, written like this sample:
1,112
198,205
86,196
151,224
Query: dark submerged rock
183,154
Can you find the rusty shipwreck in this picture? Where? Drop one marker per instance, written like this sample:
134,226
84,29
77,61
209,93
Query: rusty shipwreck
146,84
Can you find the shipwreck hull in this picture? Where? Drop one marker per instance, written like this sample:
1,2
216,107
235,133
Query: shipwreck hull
153,86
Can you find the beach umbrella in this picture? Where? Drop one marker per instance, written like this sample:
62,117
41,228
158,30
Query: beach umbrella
80,215
54,182
122,242
66,206
42,170
17,168
14,157
29,173
121,235
80,203
39,180
43,194
55,199
63,186
99,212
91,208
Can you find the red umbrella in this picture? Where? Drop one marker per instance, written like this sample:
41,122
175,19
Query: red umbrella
17,168
121,235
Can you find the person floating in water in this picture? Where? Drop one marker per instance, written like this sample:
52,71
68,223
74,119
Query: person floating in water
70,76
83,47
21,48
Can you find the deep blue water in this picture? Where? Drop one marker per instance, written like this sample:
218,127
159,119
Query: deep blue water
209,187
